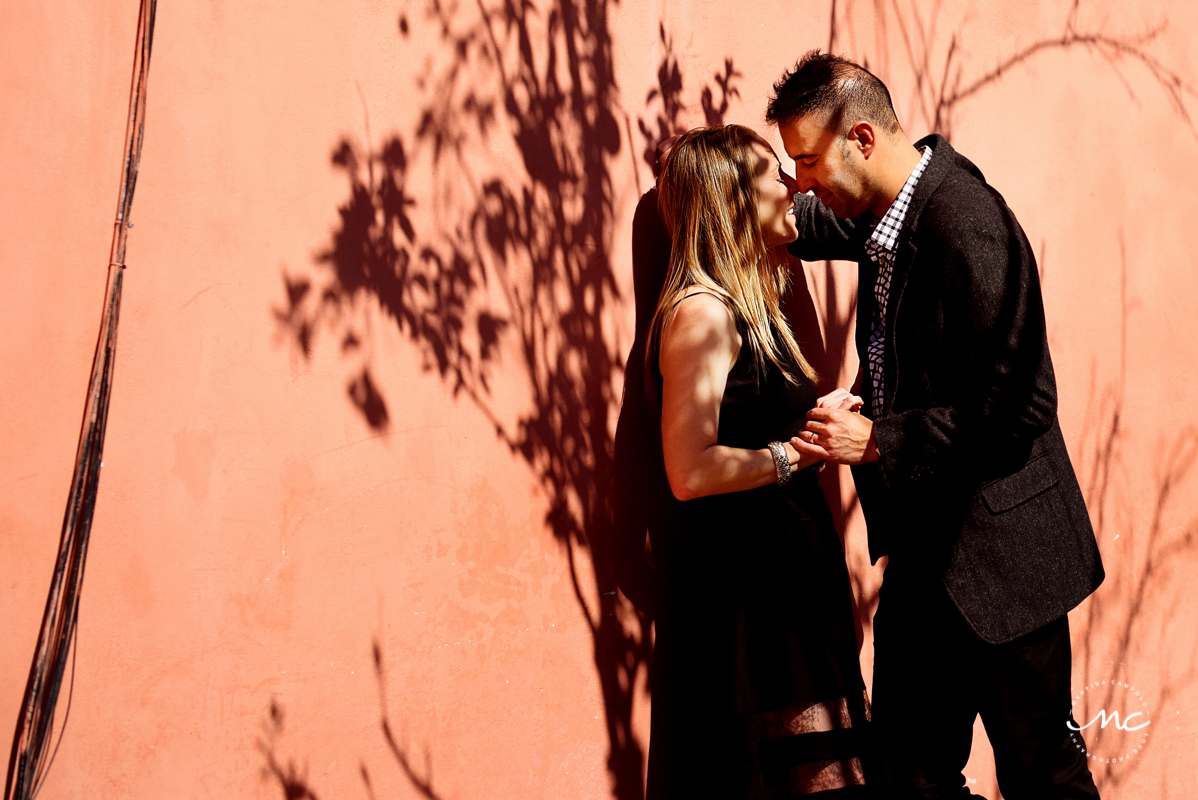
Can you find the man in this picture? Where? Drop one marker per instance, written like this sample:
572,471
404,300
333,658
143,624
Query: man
957,455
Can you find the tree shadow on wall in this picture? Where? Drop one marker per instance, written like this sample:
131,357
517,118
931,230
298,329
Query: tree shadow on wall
293,782
941,84
520,263
420,778
1155,546
669,120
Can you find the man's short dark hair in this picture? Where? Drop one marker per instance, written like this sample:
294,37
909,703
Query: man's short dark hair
834,88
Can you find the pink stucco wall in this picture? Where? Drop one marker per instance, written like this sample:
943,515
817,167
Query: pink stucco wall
364,404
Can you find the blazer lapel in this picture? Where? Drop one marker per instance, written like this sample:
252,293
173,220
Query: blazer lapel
867,276
943,157
903,260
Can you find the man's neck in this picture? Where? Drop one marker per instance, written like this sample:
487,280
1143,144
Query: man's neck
900,159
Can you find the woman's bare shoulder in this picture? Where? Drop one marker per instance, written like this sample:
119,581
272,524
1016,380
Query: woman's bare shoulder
701,322
701,309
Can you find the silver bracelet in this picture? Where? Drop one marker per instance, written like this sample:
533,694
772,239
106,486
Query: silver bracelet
781,462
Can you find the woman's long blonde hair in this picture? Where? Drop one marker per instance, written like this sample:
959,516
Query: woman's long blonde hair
707,198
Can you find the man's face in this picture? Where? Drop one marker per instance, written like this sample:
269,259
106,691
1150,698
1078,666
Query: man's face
828,164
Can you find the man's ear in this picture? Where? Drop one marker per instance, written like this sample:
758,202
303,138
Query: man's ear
864,137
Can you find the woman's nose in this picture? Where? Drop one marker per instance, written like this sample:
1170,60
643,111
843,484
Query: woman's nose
792,184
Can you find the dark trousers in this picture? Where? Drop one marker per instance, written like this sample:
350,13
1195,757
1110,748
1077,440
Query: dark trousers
933,676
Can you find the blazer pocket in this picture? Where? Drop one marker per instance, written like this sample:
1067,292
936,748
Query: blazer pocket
1034,479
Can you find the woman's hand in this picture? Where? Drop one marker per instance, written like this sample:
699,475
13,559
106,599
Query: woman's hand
798,460
842,399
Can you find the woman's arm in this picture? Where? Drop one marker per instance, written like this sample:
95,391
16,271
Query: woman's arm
699,345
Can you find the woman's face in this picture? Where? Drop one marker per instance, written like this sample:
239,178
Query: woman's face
775,209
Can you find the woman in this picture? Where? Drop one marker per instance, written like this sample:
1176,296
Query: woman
757,691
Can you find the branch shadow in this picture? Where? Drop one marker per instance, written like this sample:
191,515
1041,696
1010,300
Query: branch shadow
421,780
522,260
941,85
1121,604
292,781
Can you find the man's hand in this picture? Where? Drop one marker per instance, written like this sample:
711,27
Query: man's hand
841,436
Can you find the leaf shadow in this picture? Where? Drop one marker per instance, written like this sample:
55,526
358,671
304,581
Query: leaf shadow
506,277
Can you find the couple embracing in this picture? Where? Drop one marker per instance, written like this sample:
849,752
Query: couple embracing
952,434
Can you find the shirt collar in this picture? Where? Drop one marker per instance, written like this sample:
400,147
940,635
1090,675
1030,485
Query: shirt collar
887,229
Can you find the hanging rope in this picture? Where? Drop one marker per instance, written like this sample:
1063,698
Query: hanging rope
28,763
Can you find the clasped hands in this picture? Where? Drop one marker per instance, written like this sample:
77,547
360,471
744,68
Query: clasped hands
836,432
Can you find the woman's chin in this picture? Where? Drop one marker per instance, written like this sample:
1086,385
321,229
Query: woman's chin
783,237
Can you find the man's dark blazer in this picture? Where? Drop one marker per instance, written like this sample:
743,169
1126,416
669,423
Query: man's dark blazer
973,485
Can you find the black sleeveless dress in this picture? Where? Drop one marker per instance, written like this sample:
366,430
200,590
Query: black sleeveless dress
757,688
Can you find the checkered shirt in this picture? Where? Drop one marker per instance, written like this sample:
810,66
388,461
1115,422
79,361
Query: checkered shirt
881,247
